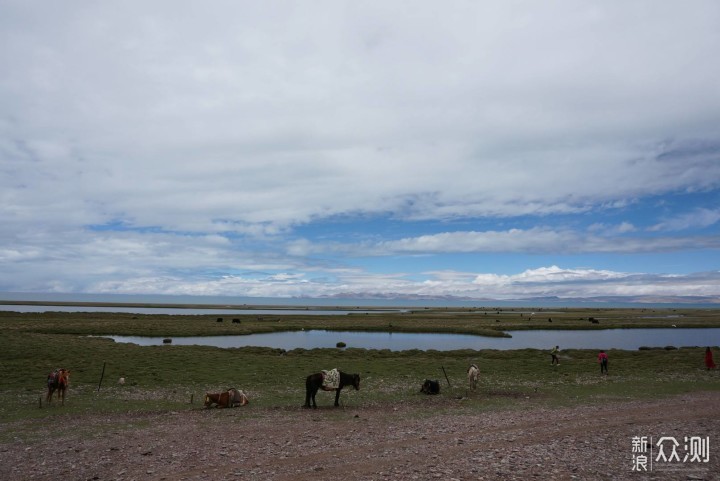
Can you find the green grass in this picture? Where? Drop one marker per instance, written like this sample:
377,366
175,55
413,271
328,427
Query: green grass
467,321
166,378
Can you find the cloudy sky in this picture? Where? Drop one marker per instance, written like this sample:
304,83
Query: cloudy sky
479,149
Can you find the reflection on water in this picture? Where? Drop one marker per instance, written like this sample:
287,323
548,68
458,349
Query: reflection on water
541,339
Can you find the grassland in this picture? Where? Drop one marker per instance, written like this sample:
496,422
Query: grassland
175,378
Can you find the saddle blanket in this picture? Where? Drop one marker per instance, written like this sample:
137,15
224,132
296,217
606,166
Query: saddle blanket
331,379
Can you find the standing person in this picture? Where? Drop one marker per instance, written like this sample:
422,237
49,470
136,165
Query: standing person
603,360
709,363
554,354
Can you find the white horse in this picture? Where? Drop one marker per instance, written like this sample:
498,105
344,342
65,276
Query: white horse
473,373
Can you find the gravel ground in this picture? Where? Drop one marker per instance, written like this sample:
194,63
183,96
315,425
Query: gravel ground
436,439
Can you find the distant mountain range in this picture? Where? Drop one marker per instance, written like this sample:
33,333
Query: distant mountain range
530,300
634,299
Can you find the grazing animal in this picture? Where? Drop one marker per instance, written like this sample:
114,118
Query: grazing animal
430,387
473,373
314,382
58,380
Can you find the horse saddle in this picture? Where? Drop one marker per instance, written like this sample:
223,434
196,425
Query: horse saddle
52,378
331,380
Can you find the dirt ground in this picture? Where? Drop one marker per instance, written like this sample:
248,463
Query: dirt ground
414,441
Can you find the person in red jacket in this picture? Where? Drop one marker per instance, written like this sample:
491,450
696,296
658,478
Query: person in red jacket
603,360
709,363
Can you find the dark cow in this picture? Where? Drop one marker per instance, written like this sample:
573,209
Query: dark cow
430,387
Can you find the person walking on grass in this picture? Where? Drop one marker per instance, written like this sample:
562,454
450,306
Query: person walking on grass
554,354
709,363
603,360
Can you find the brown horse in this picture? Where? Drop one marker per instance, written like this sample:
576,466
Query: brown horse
219,399
58,380
315,382
228,399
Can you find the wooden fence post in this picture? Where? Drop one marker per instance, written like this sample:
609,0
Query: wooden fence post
101,377
446,378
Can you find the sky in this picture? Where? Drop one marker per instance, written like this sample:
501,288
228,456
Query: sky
484,150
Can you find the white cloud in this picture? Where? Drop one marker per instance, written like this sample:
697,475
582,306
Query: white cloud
548,281
270,115
698,218
606,229
556,274
162,146
537,240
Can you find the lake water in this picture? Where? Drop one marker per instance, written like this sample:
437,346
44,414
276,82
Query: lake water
629,339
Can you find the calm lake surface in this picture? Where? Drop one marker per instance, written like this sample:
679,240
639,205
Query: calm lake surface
629,339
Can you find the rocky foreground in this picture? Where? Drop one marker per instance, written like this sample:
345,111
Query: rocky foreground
414,441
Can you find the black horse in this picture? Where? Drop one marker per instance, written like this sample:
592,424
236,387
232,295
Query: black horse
315,382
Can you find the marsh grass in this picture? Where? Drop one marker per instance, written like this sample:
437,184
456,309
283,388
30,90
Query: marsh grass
166,378
461,321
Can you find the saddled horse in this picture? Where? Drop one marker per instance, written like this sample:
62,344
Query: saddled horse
314,382
473,373
237,397
219,399
58,380
227,399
